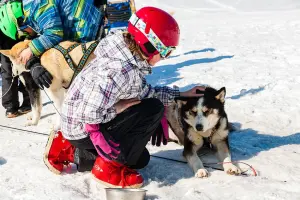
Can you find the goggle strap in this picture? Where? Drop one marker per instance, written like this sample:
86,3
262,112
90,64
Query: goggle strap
151,36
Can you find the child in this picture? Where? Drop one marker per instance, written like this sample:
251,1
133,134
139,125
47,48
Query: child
110,112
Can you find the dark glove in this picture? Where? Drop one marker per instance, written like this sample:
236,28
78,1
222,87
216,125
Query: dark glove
161,134
158,137
39,74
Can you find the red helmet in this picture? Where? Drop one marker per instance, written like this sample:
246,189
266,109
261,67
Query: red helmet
151,25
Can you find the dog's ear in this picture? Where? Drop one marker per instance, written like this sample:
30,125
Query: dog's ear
6,52
221,94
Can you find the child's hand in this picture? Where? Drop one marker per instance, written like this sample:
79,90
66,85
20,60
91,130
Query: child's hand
24,56
197,91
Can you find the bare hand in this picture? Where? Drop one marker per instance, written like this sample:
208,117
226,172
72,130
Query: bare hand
194,92
126,103
24,56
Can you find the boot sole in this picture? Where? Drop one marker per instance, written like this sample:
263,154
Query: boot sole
17,114
117,186
46,154
13,115
24,112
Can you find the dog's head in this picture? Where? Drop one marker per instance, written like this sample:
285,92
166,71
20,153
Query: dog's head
203,113
14,53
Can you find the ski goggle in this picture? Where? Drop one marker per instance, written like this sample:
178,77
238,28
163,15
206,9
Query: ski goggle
163,50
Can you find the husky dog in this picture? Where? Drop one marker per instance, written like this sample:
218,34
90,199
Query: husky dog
57,66
196,120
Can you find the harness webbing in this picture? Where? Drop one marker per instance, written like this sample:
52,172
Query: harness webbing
84,58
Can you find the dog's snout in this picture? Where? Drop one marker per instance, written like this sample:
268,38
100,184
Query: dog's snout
199,127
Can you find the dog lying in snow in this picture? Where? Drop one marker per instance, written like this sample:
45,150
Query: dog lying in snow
57,66
198,120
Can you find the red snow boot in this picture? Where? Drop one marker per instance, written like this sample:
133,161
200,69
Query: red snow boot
116,175
58,152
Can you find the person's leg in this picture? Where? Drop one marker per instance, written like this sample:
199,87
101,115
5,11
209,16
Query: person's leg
85,154
133,128
101,5
142,161
10,99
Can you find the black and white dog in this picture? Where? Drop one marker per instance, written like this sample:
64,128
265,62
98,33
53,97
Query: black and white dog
198,120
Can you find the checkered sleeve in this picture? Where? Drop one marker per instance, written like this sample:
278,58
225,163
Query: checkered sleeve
101,94
165,94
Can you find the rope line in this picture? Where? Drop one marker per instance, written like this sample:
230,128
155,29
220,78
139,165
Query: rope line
19,129
208,165
12,81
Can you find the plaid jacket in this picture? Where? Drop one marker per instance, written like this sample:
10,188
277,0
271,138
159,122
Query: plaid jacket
58,20
113,75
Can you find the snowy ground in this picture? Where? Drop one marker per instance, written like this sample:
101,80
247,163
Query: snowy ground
251,48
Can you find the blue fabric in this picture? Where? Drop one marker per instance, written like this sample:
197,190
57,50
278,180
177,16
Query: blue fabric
58,20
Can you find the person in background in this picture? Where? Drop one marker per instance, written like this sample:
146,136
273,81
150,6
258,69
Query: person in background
49,23
11,86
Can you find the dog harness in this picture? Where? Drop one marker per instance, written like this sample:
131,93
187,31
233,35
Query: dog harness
84,58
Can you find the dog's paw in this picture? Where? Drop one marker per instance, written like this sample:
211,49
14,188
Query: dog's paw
201,173
29,117
232,169
31,123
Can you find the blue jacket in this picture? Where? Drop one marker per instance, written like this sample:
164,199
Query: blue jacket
59,20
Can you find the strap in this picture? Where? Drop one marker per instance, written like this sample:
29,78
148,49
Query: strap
65,53
83,60
83,46
73,46
85,56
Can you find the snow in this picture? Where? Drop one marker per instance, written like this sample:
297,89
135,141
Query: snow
251,48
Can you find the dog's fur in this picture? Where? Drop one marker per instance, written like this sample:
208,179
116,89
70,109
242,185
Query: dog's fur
56,65
198,120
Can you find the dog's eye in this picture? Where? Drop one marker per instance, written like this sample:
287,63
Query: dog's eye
204,109
207,111
192,112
